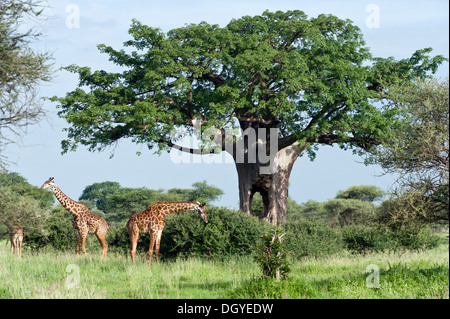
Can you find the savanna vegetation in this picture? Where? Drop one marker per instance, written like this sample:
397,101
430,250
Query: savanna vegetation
294,81
315,82
419,274
328,245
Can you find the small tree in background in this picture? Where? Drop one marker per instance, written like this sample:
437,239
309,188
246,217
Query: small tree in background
367,193
23,204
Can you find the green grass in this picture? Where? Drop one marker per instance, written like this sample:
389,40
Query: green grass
43,275
411,275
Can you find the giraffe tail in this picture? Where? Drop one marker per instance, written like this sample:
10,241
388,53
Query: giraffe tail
118,238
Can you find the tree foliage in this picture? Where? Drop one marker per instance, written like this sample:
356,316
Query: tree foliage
272,255
419,152
311,79
22,69
23,204
368,193
98,193
304,76
118,203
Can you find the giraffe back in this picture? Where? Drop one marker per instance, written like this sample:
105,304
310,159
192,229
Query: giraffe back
152,218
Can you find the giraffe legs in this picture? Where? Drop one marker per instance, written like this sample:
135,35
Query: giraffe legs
13,245
77,234
19,244
81,241
150,249
158,242
102,240
134,237
20,248
154,239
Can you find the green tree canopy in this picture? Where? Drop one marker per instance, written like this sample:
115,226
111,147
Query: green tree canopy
118,203
202,192
368,193
312,80
22,203
98,192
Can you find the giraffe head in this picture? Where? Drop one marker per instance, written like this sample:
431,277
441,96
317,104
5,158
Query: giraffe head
201,210
49,184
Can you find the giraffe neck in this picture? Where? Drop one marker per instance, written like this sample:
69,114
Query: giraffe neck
177,207
65,200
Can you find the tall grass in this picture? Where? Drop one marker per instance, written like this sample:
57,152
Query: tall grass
43,275
411,275
47,275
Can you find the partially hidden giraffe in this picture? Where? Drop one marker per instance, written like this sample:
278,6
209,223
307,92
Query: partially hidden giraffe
16,237
152,221
84,221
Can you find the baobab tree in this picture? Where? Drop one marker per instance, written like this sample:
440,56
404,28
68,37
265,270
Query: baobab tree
284,80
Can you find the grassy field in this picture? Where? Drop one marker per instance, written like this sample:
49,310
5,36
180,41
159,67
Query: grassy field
63,275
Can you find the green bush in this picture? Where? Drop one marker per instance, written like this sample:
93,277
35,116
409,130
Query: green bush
228,232
272,256
311,239
417,239
61,234
361,239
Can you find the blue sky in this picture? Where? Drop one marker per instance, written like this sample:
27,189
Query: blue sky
404,27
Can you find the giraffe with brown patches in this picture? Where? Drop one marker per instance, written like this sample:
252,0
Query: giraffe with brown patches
152,221
84,221
16,237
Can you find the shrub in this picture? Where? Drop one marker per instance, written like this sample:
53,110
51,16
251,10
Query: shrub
61,234
360,239
272,256
227,232
366,239
313,239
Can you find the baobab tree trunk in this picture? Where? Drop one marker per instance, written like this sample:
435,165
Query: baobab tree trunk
272,187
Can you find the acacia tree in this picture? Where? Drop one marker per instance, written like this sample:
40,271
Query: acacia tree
22,203
22,69
312,80
419,153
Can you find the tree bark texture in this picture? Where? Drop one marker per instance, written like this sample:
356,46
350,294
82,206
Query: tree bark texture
272,187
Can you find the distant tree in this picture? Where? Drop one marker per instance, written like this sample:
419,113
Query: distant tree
311,80
127,201
346,212
368,193
22,69
178,194
202,192
98,192
119,203
311,210
19,185
22,203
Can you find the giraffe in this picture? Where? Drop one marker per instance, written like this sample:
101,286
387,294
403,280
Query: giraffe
84,221
16,237
152,221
